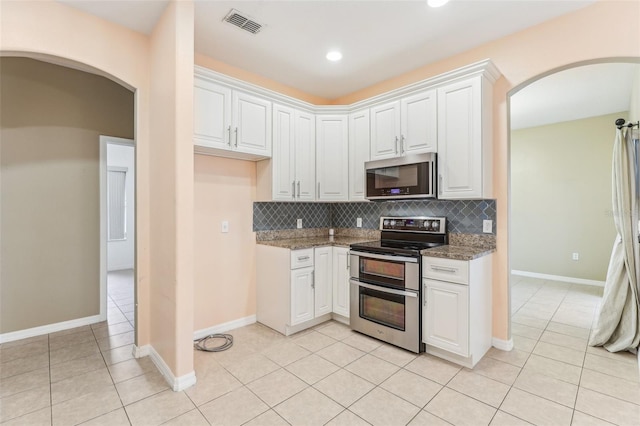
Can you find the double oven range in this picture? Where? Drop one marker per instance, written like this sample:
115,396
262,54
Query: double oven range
385,283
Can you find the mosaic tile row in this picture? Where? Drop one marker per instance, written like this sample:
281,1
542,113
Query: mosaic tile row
464,216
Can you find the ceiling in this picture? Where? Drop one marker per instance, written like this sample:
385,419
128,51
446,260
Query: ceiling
576,93
381,39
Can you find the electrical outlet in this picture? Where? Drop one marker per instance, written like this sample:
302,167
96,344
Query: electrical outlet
299,223
575,256
225,226
487,226
359,222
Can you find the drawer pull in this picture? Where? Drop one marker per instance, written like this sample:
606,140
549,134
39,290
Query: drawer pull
443,269
301,258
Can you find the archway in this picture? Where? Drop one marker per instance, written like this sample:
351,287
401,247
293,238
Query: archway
537,324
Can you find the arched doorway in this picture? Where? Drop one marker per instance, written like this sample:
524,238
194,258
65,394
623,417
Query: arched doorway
57,109
551,315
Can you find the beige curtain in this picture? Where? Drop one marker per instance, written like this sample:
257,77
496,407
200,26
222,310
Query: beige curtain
617,326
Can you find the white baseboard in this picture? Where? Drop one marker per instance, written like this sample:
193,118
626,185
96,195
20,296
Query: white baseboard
222,328
50,328
177,383
558,278
503,345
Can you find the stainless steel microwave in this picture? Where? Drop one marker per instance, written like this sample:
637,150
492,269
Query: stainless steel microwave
410,176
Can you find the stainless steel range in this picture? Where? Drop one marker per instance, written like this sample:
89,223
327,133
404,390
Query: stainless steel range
385,279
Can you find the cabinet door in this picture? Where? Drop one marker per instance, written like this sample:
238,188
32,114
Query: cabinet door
418,127
332,157
460,140
305,156
341,281
446,317
359,144
211,115
322,281
385,130
252,124
283,153
301,295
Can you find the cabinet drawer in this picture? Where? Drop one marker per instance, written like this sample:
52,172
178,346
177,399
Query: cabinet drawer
301,258
455,271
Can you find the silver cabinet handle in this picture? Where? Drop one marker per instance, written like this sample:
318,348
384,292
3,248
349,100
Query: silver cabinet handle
236,144
298,189
293,187
229,136
318,189
301,258
424,295
313,279
348,260
402,147
440,184
444,269
396,144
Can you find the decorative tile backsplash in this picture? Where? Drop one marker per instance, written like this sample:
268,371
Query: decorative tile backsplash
464,216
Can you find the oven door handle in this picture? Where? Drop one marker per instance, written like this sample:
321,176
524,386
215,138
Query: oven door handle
385,257
384,289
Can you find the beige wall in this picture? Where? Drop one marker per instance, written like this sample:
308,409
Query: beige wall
634,105
561,197
50,123
224,263
171,187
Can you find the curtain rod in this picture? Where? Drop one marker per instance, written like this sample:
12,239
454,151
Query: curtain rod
620,123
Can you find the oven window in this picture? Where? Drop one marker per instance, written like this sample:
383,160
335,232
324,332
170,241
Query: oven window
383,268
382,308
398,176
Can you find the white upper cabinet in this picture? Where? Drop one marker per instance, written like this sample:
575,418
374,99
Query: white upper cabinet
230,123
359,144
385,130
418,124
305,156
406,126
283,153
211,115
332,157
251,124
294,157
464,139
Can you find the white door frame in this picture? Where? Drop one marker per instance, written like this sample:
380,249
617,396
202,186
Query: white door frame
104,141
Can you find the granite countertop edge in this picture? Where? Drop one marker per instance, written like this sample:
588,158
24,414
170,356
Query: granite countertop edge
458,252
447,252
311,242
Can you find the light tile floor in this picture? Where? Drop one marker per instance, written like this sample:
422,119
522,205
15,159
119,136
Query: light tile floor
331,375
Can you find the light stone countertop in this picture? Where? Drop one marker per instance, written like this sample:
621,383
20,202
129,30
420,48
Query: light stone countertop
458,252
310,242
462,246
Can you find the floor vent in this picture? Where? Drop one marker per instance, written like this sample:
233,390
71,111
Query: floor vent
241,21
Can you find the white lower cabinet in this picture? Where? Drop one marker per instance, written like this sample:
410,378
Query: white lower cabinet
322,286
301,295
456,315
446,319
341,281
295,288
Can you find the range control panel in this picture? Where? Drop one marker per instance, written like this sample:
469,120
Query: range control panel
414,224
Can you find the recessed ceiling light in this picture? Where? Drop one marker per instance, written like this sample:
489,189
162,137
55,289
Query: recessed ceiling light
334,55
437,3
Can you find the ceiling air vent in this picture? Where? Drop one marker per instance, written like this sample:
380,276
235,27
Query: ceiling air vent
242,21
